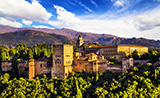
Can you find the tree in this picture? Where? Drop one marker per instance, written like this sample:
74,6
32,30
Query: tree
15,66
135,55
154,55
97,76
30,54
79,93
145,56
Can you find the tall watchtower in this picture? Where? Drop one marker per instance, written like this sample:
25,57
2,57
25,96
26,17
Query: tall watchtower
62,60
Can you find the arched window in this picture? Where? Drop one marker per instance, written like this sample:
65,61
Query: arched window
41,65
57,61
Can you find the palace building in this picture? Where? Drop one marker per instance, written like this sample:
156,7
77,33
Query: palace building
88,57
118,51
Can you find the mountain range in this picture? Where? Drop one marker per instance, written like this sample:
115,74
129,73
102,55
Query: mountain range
30,36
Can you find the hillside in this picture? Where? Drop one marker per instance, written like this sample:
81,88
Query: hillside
103,39
32,37
138,82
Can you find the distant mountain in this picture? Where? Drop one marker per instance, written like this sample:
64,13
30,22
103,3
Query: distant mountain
32,37
103,39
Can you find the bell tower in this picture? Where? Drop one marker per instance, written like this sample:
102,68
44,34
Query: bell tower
80,41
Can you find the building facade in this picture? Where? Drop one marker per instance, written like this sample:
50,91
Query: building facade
126,64
62,60
22,66
6,65
88,62
38,67
118,51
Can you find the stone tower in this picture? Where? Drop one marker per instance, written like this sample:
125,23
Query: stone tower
31,65
62,60
80,41
126,64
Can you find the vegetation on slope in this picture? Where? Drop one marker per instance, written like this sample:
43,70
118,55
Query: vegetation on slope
103,39
139,81
31,37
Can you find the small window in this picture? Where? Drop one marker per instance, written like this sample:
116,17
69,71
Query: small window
41,66
58,55
67,55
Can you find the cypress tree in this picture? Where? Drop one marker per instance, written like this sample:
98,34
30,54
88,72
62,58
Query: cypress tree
79,93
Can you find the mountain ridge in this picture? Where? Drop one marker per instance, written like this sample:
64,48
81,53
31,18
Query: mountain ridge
103,39
32,37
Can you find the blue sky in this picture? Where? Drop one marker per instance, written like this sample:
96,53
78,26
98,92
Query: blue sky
124,18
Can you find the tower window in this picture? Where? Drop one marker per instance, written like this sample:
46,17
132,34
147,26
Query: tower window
67,55
41,65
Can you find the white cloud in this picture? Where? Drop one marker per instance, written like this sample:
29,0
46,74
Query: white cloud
21,9
64,17
123,5
70,2
119,3
94,3
42,26
27,22
81,4
124,26
5,21
148,20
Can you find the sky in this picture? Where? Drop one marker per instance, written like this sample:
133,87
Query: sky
124,18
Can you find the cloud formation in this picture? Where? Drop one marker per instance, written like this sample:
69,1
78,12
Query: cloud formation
64,18
148,20
21,9
5,21
123,26
119,3
27,22
94,3
42,26
87,8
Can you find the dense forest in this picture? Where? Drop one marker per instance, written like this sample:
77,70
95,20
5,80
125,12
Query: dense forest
139,81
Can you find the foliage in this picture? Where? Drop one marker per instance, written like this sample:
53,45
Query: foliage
140,81
32,37
135,55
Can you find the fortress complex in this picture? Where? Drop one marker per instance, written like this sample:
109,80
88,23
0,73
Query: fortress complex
88,57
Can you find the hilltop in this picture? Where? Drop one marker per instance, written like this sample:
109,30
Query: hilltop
71,35
32,37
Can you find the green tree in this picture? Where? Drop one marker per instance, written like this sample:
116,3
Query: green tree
135,55
15,67
79,93
30,54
